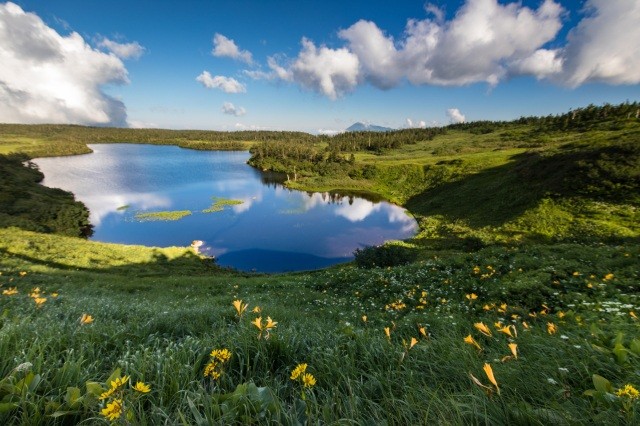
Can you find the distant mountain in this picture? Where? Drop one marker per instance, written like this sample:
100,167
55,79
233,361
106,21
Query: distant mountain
361,127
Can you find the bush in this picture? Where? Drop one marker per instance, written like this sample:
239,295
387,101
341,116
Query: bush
384,256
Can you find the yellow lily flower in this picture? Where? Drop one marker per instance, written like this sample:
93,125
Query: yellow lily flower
258,323
86,319
240,307
482,328
489,372
471,341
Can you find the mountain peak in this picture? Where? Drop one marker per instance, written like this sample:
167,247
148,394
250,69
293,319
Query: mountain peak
362,127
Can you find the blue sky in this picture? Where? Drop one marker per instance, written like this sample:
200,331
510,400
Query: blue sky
312,66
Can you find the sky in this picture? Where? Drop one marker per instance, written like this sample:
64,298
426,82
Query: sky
312,66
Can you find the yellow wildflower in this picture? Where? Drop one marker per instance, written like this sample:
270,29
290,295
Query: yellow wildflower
54,295
210,370
308,380
300,368
142,387
489,372
506,330
364,318
561,314
471,341
628,391
551,328
240,307
514,349
120,381
222,355
86,319
525,325
22,273
39,300
414,341
113,410
471,297
576,274
10,291
270,324
258,323
387,332
482,328
257,310
608,277
107,394
633,315
423,332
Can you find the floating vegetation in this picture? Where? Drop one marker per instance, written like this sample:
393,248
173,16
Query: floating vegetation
166,215
219,204
125,207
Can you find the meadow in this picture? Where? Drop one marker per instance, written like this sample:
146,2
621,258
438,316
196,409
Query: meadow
517,303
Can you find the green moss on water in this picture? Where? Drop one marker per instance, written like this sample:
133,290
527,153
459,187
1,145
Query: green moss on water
220,203
162,216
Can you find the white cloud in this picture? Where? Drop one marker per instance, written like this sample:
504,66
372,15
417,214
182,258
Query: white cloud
410,124
482,43
331,72
605,46
437,12
231,109
49,78
329,132
541,64
479,43
225,47
122,50
226,84
455,116
375,52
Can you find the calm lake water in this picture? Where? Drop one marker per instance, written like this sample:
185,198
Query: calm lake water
274,229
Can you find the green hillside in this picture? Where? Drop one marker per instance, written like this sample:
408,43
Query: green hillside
517,302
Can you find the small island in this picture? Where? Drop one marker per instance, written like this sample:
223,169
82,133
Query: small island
219,204
162,216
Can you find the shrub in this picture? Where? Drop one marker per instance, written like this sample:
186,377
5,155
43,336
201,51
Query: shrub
384,256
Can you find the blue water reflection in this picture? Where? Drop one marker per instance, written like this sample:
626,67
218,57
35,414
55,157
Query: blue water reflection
274,229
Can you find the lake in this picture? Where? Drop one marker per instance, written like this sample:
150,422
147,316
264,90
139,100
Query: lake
269,229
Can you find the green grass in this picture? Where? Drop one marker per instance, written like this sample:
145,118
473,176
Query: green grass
158,313
220,203
162,216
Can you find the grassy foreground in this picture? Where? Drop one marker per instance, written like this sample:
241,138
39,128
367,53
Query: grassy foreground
385,346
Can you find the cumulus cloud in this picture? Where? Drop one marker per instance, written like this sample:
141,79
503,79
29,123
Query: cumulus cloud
49,78
331,72
605,46
122,50
375,52
410,124
486,41
455,116
231,109
225,47
226,84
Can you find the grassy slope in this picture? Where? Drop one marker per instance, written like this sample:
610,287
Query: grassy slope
159,312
